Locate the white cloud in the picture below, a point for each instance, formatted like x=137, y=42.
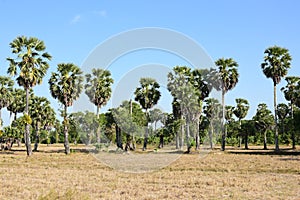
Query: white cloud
x=101, y=13
x=76, y=19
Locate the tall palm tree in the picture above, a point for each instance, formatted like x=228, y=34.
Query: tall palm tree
x=31, y=65
x=66, y=86
x=147, y=95
x=290, y=94
x=276, y=63
x=6, y=97
x=98, y=89
x=229, y=77
x=241, y=111
x=202, y=89
x=178, y=83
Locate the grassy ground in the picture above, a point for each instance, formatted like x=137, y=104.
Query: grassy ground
x=235, y=174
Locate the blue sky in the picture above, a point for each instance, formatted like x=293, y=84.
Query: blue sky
x=232, y=28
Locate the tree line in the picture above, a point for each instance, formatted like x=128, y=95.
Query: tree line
x=196, y=117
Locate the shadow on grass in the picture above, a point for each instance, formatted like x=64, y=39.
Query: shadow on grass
x=286, y=152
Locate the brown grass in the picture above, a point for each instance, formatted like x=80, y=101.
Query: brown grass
x=50, y=174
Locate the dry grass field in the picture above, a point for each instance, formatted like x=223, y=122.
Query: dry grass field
x=234, y=174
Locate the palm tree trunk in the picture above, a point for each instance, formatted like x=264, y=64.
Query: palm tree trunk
x=246, y=141
x=275, y=118
x=188, y=143
x=181, y=134
x=224, y=130
x=177, y=139
x=27, y=133
x=293, y=129
x=240, y=134
x=211, y=133
x=37, y=137
x=265, y=140
x=98, y=128
x=66, y=133
x=146, y=133
x=0, y=120
x=197, y=133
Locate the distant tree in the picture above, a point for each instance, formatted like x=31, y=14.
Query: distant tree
x=292, y=94
x=241, y=111
x=147, y=95
x=31, y=60
x=276, y=63
x=212, y=110
x=264, y=120
x=248, y=127
x=155, y=115
x=282, y=114
x=229, y=76
x=98, y=89
x=18, y=104
x=42, y=116
x=66, y=86
x=6, y=97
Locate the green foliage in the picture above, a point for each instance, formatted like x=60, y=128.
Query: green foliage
x=66, y=84
x=98, y=87
x=147, y=94
x=229, y=76
x=276, y=63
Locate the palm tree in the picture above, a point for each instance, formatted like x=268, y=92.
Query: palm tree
x=6, y=97
x=98, y=89
x=264, y=120
x=147, y=95
x=276, y=63
x=228, y=73
x=202, y=89
x=240, y=111
x=290, y=94
x=66, y=86
x=32, y=63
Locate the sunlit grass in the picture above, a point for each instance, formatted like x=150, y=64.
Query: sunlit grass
x=50, y=174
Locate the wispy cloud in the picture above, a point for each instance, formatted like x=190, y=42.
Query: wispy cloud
x=76, y=19
x=101, y=13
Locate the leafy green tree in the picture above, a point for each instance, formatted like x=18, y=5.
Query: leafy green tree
x=31, y=66
x=66, y=86
x=82, y=126
x=189, y=89
x=212, y=110
x=130, y=120
x=276, y=63
x=98, y=89
x=229, y=77
x=6, y=97
x=155, y=116
x=147, y=95
x=264, y=121
x=291, y=94
x=241, y=111
x=18, y=104
x=282, y=114
x=42, y=116
x=248, y=127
